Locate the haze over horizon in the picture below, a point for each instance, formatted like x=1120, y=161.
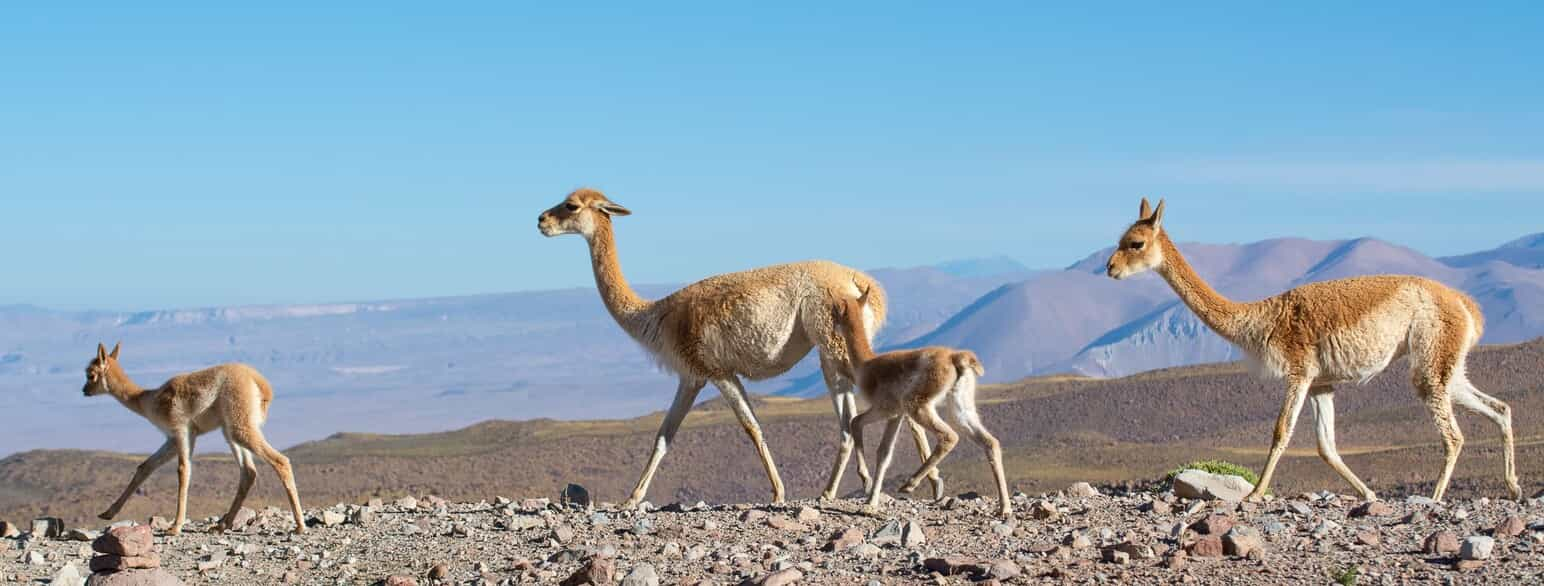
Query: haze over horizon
x=215, y=155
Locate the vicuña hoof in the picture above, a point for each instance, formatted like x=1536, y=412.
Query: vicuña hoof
x=108, y=516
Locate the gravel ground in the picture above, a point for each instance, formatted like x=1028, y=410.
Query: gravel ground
x=1075, y=536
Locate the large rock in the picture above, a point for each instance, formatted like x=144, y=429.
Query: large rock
x=115, y=563
x=641, y=575
x=1197, y=484
x=1242, y=540
x=1477, y=547
x=69, y=575
x=1209, y=546
x=1213, y=525
x=131, y=541
x=156, y=577
x=1512, y=526
x=845, y=539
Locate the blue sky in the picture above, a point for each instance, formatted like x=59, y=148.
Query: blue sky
x=199, y=154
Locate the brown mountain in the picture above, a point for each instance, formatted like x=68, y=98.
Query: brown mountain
x=1055, y=430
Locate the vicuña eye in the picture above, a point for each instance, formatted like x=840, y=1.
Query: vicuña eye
x=1137, y=245
x=572, y=207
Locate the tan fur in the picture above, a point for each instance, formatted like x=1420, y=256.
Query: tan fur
x=231, y=397
x=910, y=384
x=754, y=324
x=1341, y=331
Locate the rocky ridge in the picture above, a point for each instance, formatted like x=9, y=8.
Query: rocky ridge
x=1079, y=535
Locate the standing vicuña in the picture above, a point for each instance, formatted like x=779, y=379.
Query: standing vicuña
x=910, y=384
x=1345, y=330
x=232, y=397
x=755, y=324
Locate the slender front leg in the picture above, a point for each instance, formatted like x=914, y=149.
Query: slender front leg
x=863, y=470
x=1297, y=393
x=248, y=467
x=886, y=450
x=919, y=436
x=735, y=394
x=840, y=390
x=858, y=423
x=145, y=469
x=184, y=474
x=686, y=396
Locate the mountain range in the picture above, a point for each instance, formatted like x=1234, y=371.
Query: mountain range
x=424, y=365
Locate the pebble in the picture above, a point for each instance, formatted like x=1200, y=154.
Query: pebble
x=641, y=575
x=1477, y=547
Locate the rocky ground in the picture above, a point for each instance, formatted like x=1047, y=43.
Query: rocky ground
x=1079, y=535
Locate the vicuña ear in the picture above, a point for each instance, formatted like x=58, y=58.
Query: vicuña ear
x=613, y=209
x=1147, y=210
x=116, y=346
x=1158, y=216
x=101, y=352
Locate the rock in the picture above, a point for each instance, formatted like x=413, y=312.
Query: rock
x=1157, y=507
x=34, y=558
x=47, y=527
x=1276, y=528
x=1115, y=556
x=1460, y=514
x=82, y=535
x=1373, y=509
x=155, y=577
x=951, y=565
x=598, y=571
x=1209, y=546
x=1043, y=511
x=753, y=516
x=131, y=541
x=912, y=535
x=1477, y=547
x=1369, y=537
x=332, y=518
x=844, y=539
x=1195, y=484
x=211, y=562
x=1300, y=509
x=1466, y=565
x=807, y=514
x=440, y=571
x=1082, y=490
x=865, y=550
x=1004, y=529
x=1133, y=550
x=782, y=523
x=1419, y=500
x=9, y=530
x=1078, y=540
x=363, y=516
x=641, y=575
x=160, y=523
x=574, y=495
x=1242, y=540
x=562, y=534
x=1175, y=561
x=523, y=522
x=460, y=530
x=69, y=575
x=1416, y=518
x=244, y=517
x=1325, y=527
x=1512, y=526
x=1002, y=570
x=407, y=503
x=778, y=578
x=1213, y=525
x=399, y=580
x=1441, y=543
x=115, y=563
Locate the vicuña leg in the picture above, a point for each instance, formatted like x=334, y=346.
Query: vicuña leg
x=970, y=420
x=734, y=394
x=184, y=447
x=1323, y=397
x=858, y=423
x=1465, y=393
x=246, y=461
x=843, y=402
x=145, y=469
x=686, y=396
x=1297, y=393
x=886, y=452
x=252, y=439
x=919, y=436
x=947, y=439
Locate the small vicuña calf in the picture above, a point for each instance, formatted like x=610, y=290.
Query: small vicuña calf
x=911, y=383
x=232, y=397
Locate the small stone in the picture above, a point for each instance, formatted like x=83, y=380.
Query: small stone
x=1115, y=556
x=1209, y=546
x=47, y=527
x=160, y=523
x=131, y=541
x=1135, y=551
x=1417, y=517
x=244, y=517
x=1373, y=509
x=641, y=575
x=753, y=516
x=1477, y=547
x=460, y=530
x=1078, y=540
x=1043, y=511
x=1175, y=561
x=780, y=578
x=1460, y=514
x=363, y=516
x=69, y=575
x=950, y=565
x=114, y=563
x=865, y=550
x=1157, y=507
x=82, y=535
x=1213, y=525
x=1512, y=526
x=1325, y=527
x=151, y=577
x=440, y=571
x=1002, y=570
x=34, y=558
x=399, y=580
x=1241, y=540
x=1004, y=529
x=1419, y=500
x=1300, y=509
x=407, y=503
x=1082, y=490
x=1276, y=528
x=1369, y=537
x=332, y=518
x=844, y=539
x=1466, y=565
x=782, y=523
x=807, y=514
x=575, y=495
x=562, y=534
x=912, y=535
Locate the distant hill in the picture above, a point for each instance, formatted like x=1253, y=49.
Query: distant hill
x=1526, y=252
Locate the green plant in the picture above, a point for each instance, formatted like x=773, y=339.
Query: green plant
x=1348, y=576
x=1216, y=467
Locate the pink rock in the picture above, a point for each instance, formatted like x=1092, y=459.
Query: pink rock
x=131, y=541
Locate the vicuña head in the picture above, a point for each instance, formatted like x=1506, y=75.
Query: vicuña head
x=102, y=370
x=1138, y=250
x=580, y=213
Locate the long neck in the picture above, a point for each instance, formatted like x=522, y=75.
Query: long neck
x=859, y=350
x=619, y=297
x=123, y=388
x=1220, y=313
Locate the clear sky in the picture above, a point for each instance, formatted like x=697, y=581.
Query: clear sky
x=218, y=153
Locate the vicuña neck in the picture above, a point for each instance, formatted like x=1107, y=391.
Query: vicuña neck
x=859, y=350
x=123, y=388
x=1220, y=313
x=619, y=297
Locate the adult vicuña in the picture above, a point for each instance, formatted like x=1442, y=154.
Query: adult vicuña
x=1346, y=330
x=232, y=397
x=755, y=324
x=910, y=384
